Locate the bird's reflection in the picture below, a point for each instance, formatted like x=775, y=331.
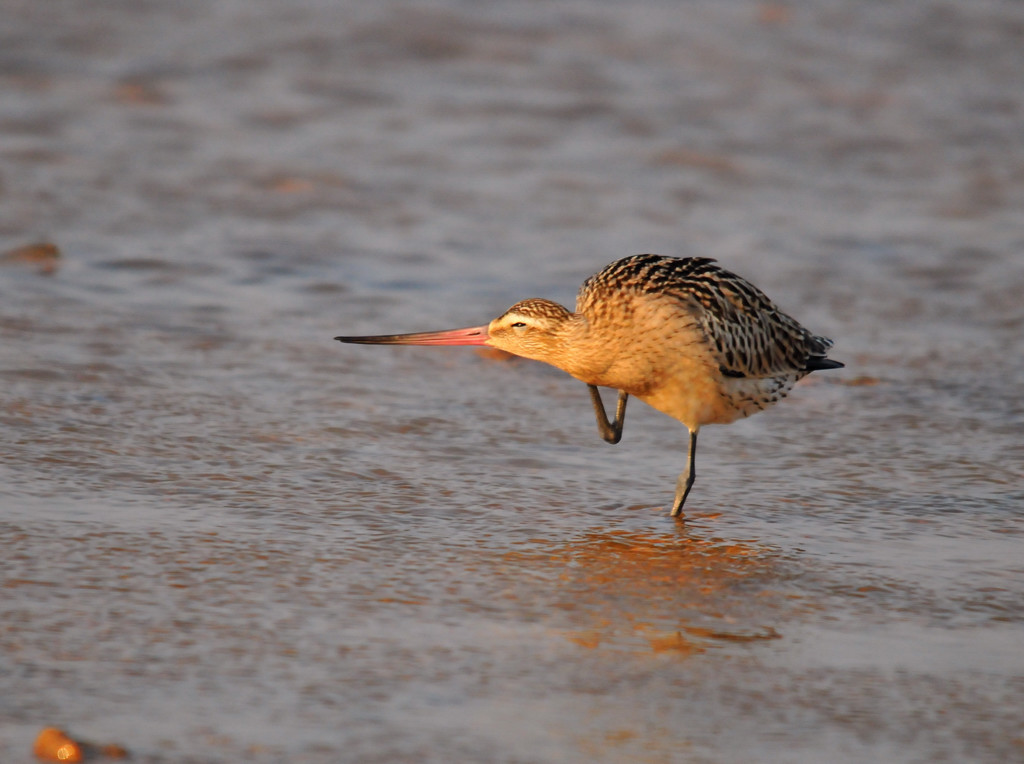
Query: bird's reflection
x=661, y=592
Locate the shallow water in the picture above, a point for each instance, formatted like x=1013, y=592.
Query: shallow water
x=227, y=537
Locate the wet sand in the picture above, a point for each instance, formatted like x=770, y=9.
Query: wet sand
x=227, y=537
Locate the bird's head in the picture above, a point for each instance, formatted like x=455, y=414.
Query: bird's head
x=531, y=329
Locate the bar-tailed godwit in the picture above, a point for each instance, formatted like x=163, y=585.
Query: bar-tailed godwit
x=684, y=335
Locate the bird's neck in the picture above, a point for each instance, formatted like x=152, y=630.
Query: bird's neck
x=577, y=350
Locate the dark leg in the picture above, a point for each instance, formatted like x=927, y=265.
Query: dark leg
x=610, y=431
x=685, y=482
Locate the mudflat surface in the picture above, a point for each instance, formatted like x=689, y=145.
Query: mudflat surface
x=226, y=537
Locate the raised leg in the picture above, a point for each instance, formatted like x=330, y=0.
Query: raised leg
x=685, y=482
x=610, y=431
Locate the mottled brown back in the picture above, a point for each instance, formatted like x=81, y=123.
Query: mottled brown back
x=749, y=335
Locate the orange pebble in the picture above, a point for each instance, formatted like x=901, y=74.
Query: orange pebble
x=54, y=745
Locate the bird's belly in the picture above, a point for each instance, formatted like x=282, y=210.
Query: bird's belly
x=686, y=390
x=704, y=397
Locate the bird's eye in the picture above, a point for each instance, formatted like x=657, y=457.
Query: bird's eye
x=519, y=325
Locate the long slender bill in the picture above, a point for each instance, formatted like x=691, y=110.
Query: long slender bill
x=473, y=335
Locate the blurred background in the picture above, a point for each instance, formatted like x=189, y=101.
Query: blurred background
x=226, y=536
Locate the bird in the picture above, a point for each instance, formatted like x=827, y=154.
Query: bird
x=684, y=335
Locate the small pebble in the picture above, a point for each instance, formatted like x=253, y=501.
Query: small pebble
x=53, y=744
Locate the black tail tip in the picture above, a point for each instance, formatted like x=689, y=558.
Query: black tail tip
x=821, y=364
